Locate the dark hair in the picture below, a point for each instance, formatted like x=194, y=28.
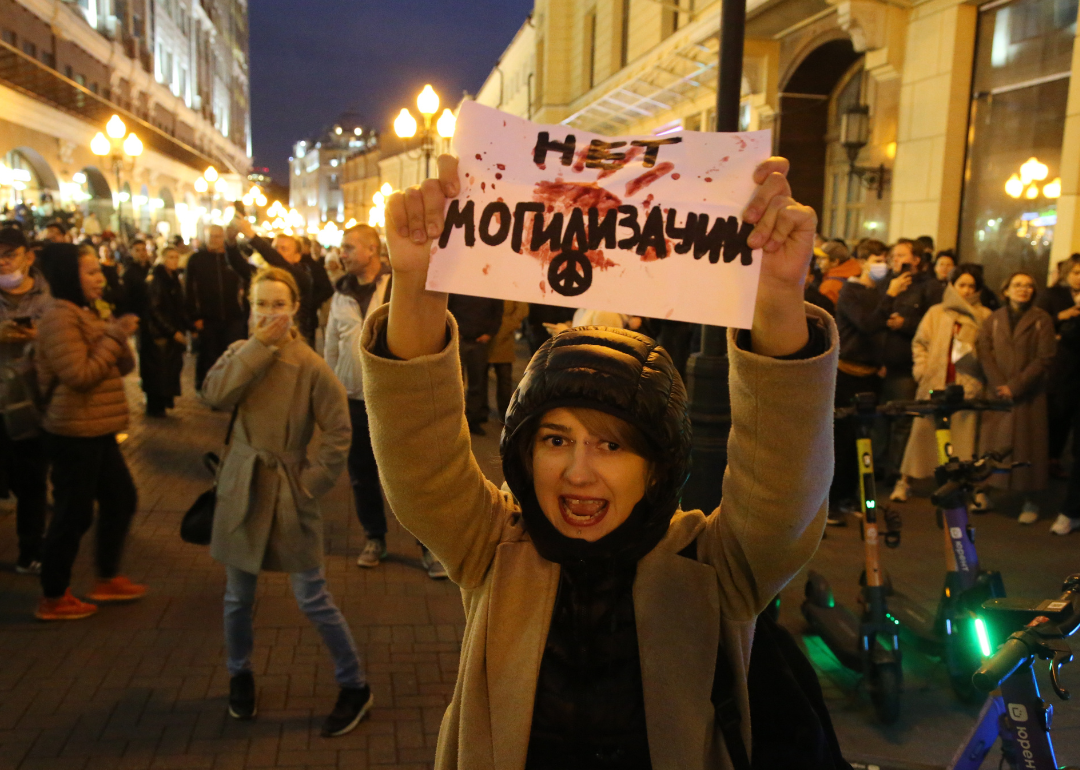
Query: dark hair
x=927, y=241
x=949, y=253
x=870, y=248
x=59, y=262
x=137, y=241
x=1009, y=280
x=968, y=268
x=56, y=223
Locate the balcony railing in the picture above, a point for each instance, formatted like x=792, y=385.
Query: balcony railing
x=33, y=78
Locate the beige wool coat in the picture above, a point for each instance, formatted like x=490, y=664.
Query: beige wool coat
x=501, y=347
x=267, y=515
x=1019, y=358
x=931, y=350
x=768, y=527
x=81, y=361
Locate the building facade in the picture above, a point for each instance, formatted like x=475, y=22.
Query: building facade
x=317, y=173
x=175, y=71
x=901, y=118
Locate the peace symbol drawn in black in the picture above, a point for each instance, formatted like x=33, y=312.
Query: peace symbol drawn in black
x=570, y=273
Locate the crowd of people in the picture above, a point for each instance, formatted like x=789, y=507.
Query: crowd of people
x=911, y=322
x=276, y=329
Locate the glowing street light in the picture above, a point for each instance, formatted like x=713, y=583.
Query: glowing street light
x=201, y=185
x=211, y=174
x=446, y=124
x=1053, y=189
x=428, y=101
x=133, y=146
x=100, y=145
x=115, y=127
x=1033, y=171
x=405, y=124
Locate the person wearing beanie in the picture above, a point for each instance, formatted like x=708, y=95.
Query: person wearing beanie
x=595, y=607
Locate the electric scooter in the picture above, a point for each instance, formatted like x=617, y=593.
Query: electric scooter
x=950, y=633
x=1015, y=712
x=868, y=643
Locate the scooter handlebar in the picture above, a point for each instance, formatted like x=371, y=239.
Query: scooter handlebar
x=1000, y=666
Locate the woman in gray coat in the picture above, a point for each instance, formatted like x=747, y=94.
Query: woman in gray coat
x=1015, y=346
x=267, y=515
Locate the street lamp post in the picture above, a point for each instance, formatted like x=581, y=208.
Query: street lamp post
x=119, y=146
x=707, y=372
x=405, y=124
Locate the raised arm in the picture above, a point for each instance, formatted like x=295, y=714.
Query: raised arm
x=782, y=387
x=414, y=397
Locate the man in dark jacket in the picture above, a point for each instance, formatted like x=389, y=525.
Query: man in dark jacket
x=215, y=302
x=24, y=297
x=322, y=288
x=285, y=253
x=862, y=313
x=916, y=290
x=478, y=321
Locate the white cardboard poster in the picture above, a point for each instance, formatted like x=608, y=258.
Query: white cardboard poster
x=647, y=225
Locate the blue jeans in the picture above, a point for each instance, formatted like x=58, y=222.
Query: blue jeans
x=315, y=602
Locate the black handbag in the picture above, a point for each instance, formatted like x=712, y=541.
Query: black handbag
x=198, y=523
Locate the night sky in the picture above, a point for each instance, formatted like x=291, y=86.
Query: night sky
x=313, y=60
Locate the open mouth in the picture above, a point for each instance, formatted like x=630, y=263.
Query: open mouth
x=582, y=511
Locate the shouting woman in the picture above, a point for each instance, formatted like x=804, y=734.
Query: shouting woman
x=594, y=606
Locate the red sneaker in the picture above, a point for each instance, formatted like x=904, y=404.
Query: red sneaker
x=117, y=589
x=65, y=607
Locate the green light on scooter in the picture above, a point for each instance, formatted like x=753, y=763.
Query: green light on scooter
x=871, y=504
x=984, y=638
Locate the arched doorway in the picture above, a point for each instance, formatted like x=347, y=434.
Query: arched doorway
x=98, y=198
x=166, y=212
x=28, y=185
x=804, y=117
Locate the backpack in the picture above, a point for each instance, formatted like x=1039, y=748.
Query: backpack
x=789, y=720
x=21, y=401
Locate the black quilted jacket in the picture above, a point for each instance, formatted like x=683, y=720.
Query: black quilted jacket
x=589, y=710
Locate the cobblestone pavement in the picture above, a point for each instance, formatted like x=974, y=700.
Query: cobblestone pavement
x=144, y=685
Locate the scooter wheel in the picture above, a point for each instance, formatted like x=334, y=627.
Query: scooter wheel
x=818, y=590
x=885, y=692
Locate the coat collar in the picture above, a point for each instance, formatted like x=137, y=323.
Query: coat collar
x=677, y=610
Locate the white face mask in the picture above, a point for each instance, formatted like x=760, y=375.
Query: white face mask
x=269, y=318
x=878, y=270
x=12, y=280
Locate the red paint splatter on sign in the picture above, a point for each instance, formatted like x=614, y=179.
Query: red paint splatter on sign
x=486, y=268
x=483, y=186
x=631, y=154
x=500, y=166
x=646, y=179
x=564, y=197
x=708, y=179
x=675, y=176
x=479, y=156
x=647, y=203
x=498, y=176
x=579, y=160
x=543, y=287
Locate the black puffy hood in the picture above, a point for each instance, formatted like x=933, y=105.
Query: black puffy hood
x=627, y=375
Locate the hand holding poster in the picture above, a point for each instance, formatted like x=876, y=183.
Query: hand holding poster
x=647, y=226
